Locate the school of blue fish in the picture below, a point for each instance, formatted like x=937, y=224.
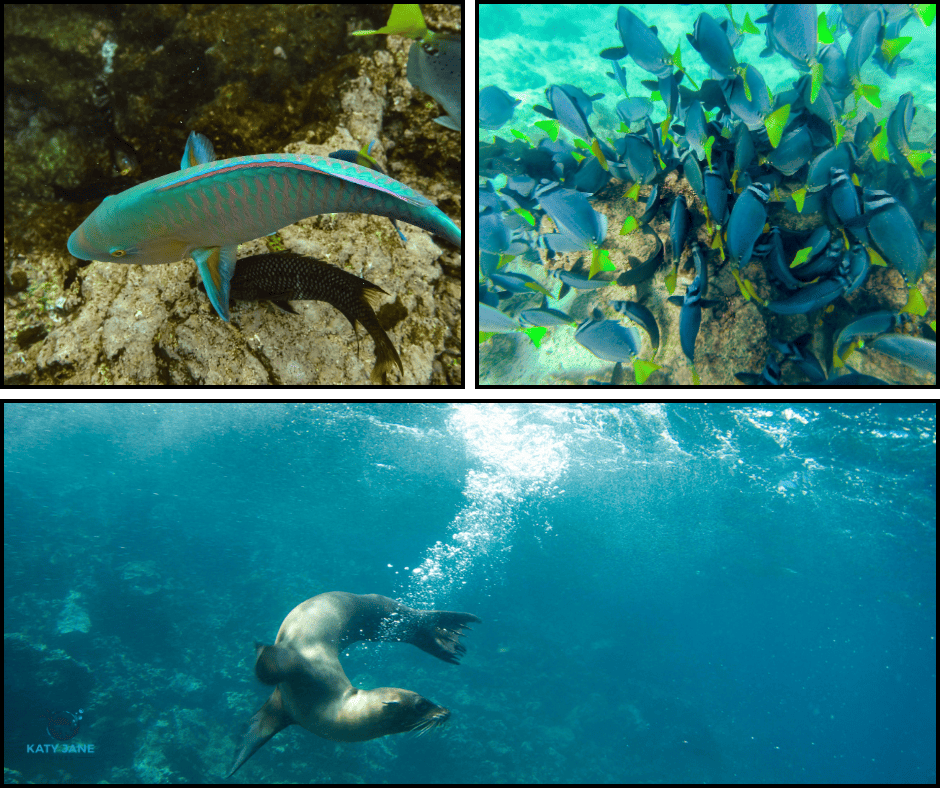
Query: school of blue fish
x=797, y=194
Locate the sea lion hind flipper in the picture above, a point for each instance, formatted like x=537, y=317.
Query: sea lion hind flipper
x=439, y=634
x=268, y=720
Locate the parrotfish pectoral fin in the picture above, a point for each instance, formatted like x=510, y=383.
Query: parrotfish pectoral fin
x=216, y=267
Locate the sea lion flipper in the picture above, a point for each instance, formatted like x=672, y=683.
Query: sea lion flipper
x=440, y=631
x=268, y=720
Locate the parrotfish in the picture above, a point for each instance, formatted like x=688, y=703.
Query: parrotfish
x=434, y=61
x=210, y=207
x=364, y=158
x=285, y=276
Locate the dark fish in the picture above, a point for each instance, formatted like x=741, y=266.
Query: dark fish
x=285, y=276
x=716, y=195
x=617, y=378
x=868, y=326
x=794, y=150
x=800, y=352
x=768, y=376
x=811, y=297
x=494, y=321
x=634, y=110
x=679, y=224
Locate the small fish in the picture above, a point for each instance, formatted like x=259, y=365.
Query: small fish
x=609, y=340
x=496, y=107
x=287, y=276
x=747, y=223
x=691, y=316
x=434, y=62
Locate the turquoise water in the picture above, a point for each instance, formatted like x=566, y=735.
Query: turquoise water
x=526, y=48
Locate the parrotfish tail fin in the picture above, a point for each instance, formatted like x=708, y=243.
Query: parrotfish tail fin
x=405, y=20
x=426, y=216
x=385, y=353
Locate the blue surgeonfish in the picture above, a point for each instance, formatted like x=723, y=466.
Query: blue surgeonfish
x=210, y=207
x=868, y=326
x=573, y=215
x=769, y=375
x=434, y=61
x=895, y=234
x=496, y=107
x=691, y=317
x=641, y=43
x=569, y=110
x=617, y=377
x=544, y=315
x=641, y=315
x=609, y=340
x=795, y=148
x=710, y=39
x=747, y=223
x=791, y=31
x=492, y=320
x=811, y=297
x=916, y=352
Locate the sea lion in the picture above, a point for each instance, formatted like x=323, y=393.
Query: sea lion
x=312, y=690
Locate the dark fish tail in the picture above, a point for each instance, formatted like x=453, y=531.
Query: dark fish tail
x=385, y=353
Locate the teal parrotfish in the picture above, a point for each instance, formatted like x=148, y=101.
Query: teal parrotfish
x=363, y=158
x=209, y=207
x=434, y=61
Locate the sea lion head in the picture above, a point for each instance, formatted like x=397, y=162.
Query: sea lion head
x=393, y=710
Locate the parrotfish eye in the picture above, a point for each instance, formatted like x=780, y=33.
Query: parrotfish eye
x=118, y=252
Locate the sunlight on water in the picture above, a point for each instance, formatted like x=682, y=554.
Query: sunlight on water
x=518, y=458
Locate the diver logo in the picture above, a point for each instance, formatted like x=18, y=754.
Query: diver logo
x=62, y=726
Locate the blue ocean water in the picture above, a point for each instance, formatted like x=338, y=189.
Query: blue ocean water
x=668, y=593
